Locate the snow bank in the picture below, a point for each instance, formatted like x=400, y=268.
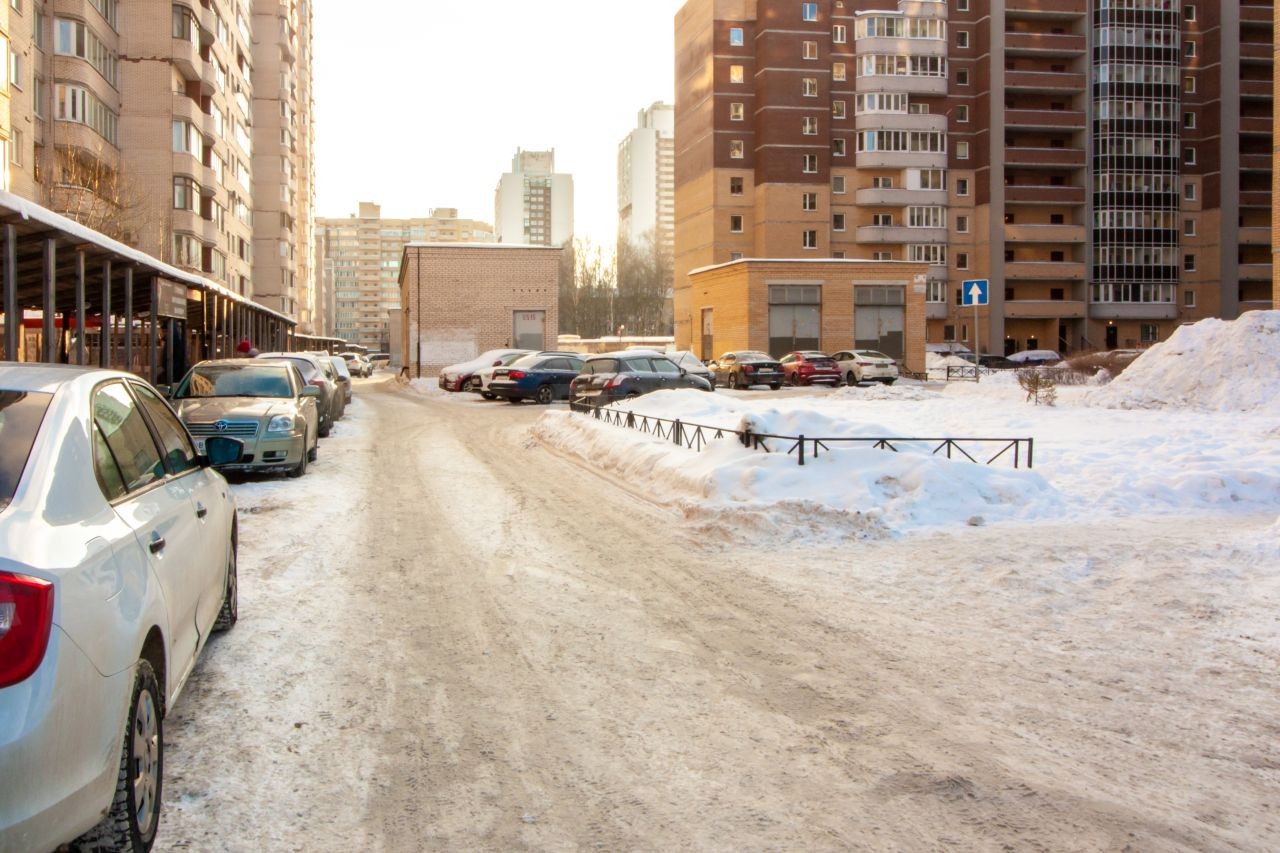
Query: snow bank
x=936, y=364
x=1217, y=365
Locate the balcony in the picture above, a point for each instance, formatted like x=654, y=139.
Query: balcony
x=1044, y=158
x=873, y=196
x=1043, y=233
x=1043, y=194
x=1252, y=51
x=1133, y=311
x=922, y=9
x=1045, y=119
x=1043, y=44
x=1255, y=272
x=1044, y=270
x=901, y=121
x=1044, y=309
x=1255, y=198
x=1257, y=89
x=1052, y=82
x=1256, y=14
x=1257, y=235
x=900, y=234
x=1253, y=305
x=1256, y=124
x=1061, y=10
x=1255, y=162
x=901, y=160
x=900, y=46
x=186, y=58
x=903, y=83
x=935, y=310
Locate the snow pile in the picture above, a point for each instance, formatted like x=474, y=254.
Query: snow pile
x=879, y=391
x=936, y=364
x=1218, y=365
x=847, y=489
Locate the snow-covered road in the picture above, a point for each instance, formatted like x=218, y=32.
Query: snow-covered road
x=454, y=637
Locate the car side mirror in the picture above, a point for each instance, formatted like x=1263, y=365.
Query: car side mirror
x=165, y=390
x=220, y=450
x=684, y=372
x=311, y=391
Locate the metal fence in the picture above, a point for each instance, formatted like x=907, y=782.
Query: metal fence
x=1020, y=451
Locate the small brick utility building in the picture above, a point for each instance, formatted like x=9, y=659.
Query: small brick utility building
x=460, y=299
x=778, y=306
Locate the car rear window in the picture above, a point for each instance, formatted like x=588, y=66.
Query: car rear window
x=870, y=353
x=601, y=365
x=639, y=365
x=21, y=414
x=755, y=356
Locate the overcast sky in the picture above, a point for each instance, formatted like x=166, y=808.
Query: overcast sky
x=423, y=104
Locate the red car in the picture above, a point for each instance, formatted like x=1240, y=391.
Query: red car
x=810, y=368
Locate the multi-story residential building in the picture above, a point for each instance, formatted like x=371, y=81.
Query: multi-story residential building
x=6, y=129
x=138, y=119
x=533, y=204
x=284, y=219
x=1087, y=157
x=361, y=256
x=646, y=179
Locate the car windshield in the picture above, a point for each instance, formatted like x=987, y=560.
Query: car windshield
x=234, y=380
x=21, y=414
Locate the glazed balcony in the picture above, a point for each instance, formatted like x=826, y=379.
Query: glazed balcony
x=1044, y=233
x=1045, y=309
x=901, y=121
x=889, y=46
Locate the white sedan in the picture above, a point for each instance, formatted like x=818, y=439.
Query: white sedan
x=117, y=561
x=865, y=365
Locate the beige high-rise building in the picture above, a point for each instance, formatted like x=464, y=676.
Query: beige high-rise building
x=6, y=131
x=647, y=179
x=533, y=203
x=362, y=265
x=140, y=120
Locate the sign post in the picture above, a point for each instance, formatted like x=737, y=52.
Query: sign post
x=976, y=292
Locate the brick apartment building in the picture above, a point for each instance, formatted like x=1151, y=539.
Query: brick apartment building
x=1089, y=158
x=360, y=265
x=462, y=299
x=182, y=128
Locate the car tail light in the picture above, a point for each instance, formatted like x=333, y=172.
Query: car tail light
x=748, y=368
x=26, y=617
x=615, y=380
x=866, y=364
x=517, y=375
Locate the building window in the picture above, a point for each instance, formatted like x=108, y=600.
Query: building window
x=15, y=148
x=77, y=104
x=75, y=38
x=810, y=166
x=962, y=6
x=962, y=38
x=1189, y=263
x=882, y=220
x=810, y=50
x=735, y=224
x=735, y=186
x=1189, y=299
x=810, y=239
x=837, y=222
x=736, y=112
x=809, y=201
x=838, y=72
x=962, y=151
x=837, y=184
x=962, y=225
x=839, y=147
x=839, y=109
x=809, y=87
x=882, y=256
x=962, y=114
x=1150, y=333
x=1189, y=156
x=1189, y=227
x=839, y=256
x=1189, y=85
x=1189, y=192
x=735, y=256
x=962, y=186
x=17, y=71
x=809, y=11
x=1189, y=13
x=839, y=34
x=809, y=126
x=736, y=149
x=1189, y=49
x=933, y=254
x=962, y=77
x=735, y=74
x=962, y=260
x=1189, y=121
x=735, y=37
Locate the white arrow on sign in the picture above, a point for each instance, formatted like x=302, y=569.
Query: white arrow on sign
x=975, y=294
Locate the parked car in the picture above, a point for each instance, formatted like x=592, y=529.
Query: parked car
x=117, y=563
x=265, y=404
x=996, y=362
x=864, y=365
x=313, y=373
x=1035, y=357
x=485, y=374
x=744, y=368
x=620, y=375
x=358, y=364
x=690, y=364
x=806, y=367
x=379, y=359
x=542, y=378
x=461, y=376
x=343, y=376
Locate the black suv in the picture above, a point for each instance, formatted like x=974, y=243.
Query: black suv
x=619, y=375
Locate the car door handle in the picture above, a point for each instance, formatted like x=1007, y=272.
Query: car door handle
x=157, y=543
x=201, y=510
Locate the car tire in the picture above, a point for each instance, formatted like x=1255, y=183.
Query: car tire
x=313, y=453
x=300, y=470
x=850, y=379
x=733, y=382
x=230, y=611
x=775, y=385
x=141, y=760
x=515, y=400
x=794, y=379
x=470, y=386
x=545, y=395
x=326, y=428
x=487, y=395
x=889, y=381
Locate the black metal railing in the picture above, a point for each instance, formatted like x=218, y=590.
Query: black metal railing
x=697, y=436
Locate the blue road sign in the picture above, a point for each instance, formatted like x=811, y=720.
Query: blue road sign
x=976, y=292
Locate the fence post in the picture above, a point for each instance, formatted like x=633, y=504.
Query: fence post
x=1031, y=449
x=676, y=433
x=746, y=437
x=802, y=450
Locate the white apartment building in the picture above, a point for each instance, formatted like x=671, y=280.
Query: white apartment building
x=533, y=205
x=647, y=178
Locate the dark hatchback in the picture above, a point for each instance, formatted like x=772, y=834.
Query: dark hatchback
x=617, y=376
x=535, y=377
x=745, y=368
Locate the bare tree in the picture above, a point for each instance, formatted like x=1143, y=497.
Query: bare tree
x=87, y=188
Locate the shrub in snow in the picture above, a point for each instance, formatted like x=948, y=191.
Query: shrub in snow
x=1040, y=387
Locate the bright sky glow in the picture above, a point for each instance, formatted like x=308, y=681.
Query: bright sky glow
x=423, y=104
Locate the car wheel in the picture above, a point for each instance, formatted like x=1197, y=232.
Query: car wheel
x=326, y=427
x=733, y=382
x=487, y=395
x=794, y=379
x=545, y=395
x=850, y=379
x=134, y=815
x=889, y=381
x=313, y=453
x=471, y=385
x=515, y=400
x=230, y=611
x=300, y=469
x=775, y=385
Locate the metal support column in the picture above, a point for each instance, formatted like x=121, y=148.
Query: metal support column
x=80, y=307
x=104, y=330
x=12, y=314
x=128, y=318
x=49, y=303
x=171, y=329
x=154, y=342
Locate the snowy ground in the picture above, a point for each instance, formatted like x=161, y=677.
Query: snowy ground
x=460, y=631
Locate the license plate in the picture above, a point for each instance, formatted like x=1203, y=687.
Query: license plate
x=200, y=446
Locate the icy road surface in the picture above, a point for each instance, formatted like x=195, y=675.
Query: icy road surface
x=453, y=638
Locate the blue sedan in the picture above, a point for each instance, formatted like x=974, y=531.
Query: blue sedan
x=536, y=377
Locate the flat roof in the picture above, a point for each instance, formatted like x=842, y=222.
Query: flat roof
x=427, y=245
x=850, y=261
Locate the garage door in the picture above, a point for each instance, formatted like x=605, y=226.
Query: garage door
x=880, y=320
